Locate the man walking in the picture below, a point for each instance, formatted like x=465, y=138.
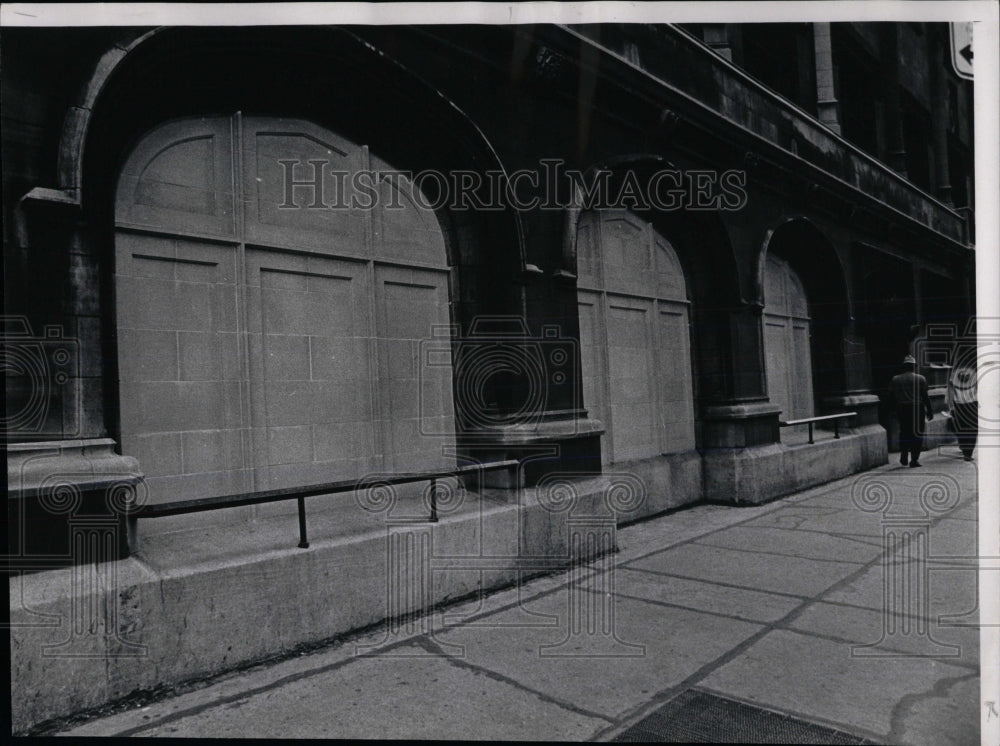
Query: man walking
x=962, y=401
x=909, y=393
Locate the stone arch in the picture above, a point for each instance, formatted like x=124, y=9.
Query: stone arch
x=182, y=72
x=711, y=269
x=105, y=119
x=76, y=125
x=822, y=269
x=711, y=274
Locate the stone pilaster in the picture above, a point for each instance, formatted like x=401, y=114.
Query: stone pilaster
x=827, y=106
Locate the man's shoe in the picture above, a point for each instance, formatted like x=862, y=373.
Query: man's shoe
x=967, y=457
x=903, y=458
x=914, y=464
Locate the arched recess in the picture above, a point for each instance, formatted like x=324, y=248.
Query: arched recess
x=787, y=333
x=266, y=340
x=634, y=336
x=702, y=248
x=327, y=76
x=806, y=311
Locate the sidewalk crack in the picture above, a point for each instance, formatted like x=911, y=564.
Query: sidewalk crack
x=910, y=703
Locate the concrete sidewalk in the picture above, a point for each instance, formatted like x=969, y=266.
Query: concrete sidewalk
x=776, y=612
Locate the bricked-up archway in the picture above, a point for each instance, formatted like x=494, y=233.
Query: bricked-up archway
x=267, y=340
x=325, y=76
x=634, y=336
x=806, y=315
x=707, y=271
x=787, y=353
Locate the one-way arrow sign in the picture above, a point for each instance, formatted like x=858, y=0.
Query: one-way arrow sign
x=961, y=49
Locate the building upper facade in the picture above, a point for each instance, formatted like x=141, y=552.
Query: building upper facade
x=857, y=100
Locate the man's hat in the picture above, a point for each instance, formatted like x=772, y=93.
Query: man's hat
x=908, y=360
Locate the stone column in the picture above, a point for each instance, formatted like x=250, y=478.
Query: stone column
x=939, y=117
x=539, y=405
x=894, y=143
x=827, y=106
x=740, y=430
x=57, y=428
x=854, y=393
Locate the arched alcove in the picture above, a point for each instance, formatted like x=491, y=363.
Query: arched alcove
x=634, y=336
x=806, y=311
x=706, y=265
x=328, y=77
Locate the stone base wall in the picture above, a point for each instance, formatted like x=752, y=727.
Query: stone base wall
x=750, y=476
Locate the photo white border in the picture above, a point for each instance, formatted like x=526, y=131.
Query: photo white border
x=984, y=13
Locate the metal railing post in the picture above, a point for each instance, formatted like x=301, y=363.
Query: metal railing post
x=303, y=539
x=810, y=433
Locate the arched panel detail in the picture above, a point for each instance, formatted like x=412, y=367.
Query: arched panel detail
x=816, y=263
x=91, y=143
x=180, y=177
x=669, y=273
x=815, y=287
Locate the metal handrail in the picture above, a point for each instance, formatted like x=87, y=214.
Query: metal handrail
x=197, y=505
x=822, y=418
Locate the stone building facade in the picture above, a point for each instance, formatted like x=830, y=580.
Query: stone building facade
x=259, y=258
x=230, y=330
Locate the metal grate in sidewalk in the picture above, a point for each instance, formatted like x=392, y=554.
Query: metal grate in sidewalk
x=695, y=716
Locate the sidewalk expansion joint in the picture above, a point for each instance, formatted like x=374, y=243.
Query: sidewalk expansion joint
x=432, y=647
x=668, y=605
x=901, y=653
x=789, y=555
x=254, y=691
x=777, y=505
x=720, y=583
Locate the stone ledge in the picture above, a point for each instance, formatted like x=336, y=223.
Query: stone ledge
x=544, y=430
x=740, y=411
x=84, y=461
